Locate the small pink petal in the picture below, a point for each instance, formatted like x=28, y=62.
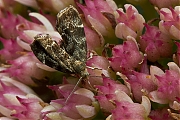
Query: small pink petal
x=86, y=111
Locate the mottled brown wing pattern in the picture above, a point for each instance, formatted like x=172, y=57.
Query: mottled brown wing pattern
x=50, y=53
x=70, y=27
x=70, y=56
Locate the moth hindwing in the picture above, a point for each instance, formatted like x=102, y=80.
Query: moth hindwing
x=70, y=55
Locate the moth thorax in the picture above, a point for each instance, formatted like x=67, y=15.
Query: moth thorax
x=84, y=74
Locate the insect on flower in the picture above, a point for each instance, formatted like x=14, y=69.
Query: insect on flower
x=70, y=56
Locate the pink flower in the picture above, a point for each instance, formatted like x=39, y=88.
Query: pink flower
x=26, y=37
x=169, y=24
x=99, y=14
x=98, y=65
x=164, y=3
x=95, y=40
x=126, y=109
x=155, y=43
x=126, y=57
x=11, y=49
x=167, y=86
x=141, y=84
x=129, y=111
x=107, y=93
x=81, y=104
x=16, y=24
x=129, y=23
x=18, y=101
x=26, y=69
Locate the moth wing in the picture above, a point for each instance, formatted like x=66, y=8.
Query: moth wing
x=70, y=27
x=51, y=54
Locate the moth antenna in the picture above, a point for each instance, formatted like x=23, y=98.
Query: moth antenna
x=93, y=68
x=73, y=89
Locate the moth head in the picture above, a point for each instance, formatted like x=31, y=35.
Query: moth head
x=80, y=66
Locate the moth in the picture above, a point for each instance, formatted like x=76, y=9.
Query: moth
x=71, y=55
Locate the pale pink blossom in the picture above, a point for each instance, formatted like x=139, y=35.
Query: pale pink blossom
x=107, y=93
x=18, y=101
x=155, y=43
x=100, y=15
x=141, y=84
x=168, y=83
x=25, y=68
x=95, y=40
x=129, y=110
x=169, y=24
x=15, y=24
x=11, y=49
x=129, y=23
x=81, y=104
x=97, y=65
x=124, y=54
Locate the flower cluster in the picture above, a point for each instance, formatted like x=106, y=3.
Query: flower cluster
x=133, y=61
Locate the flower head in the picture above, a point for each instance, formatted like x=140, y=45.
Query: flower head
x=26, y=69
x=15, y=24
x=18, y=101
x=98, y=65
x=107, y=93
x=167, y=86
x=99, y=14
x=169, y=23
x=81, y=104
x=129, y=23
x=124, y=54
x=11, y=49
x=141, y=84
x=129, y=111
x=155, y=43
